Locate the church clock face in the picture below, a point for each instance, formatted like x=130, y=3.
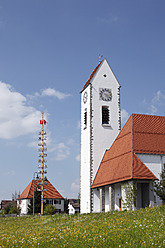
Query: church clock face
x=85, y=97
x=105, y=94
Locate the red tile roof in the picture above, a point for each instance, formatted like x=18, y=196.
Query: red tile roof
x=51, y=192
x=92, y=75
x=149, y=134
x=141, y=134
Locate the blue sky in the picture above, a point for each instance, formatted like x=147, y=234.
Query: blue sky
x=48, y=49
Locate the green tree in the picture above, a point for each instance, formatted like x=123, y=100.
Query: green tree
x=37, y=203
x=159, y=186
x=49, y=210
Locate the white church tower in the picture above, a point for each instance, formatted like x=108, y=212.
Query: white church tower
x=100, y=124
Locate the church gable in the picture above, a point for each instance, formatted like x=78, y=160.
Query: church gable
x=104, y=70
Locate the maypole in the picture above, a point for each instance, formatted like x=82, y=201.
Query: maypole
x=42, y=160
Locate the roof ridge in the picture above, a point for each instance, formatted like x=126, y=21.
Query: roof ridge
x=116, y=156
x=135, y=114
x=31, y=184
x=121, y=136
x=92, y=75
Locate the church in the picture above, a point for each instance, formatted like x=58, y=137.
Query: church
x=112, y=159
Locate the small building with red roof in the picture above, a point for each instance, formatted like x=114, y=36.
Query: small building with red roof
x=51, y=196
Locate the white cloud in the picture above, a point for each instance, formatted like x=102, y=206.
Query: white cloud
x=153, y=110
x=62, y=155
x=8, y=173
x=49, y=92
x=57, y=151
x=124, y=116
x=2, y=23
x=158, y=98
x=78, y=124
x=108, y=20
x=60, y=150
x=157, y=102
x=33, y=144
x=77, y=158
x=75, y=186
x=55, y=93
x=70, y=142
x=16, y=118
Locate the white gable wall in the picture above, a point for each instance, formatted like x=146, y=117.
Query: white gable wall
x=153, y=162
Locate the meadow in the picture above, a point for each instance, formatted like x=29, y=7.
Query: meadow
x=142, y=228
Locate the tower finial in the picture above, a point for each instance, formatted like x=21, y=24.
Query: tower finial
x=100, y=57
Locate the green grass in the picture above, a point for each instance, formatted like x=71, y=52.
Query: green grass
x=142, y=228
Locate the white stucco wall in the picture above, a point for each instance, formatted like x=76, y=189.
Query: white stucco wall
x=107, y=199
x=23, y=204
x=103, y=135
x=117, y=195
x=96, y=200
x=85, y=173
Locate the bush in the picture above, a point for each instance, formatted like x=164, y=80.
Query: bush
x=12, y=209
x=159, y=186
x=49, y=210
